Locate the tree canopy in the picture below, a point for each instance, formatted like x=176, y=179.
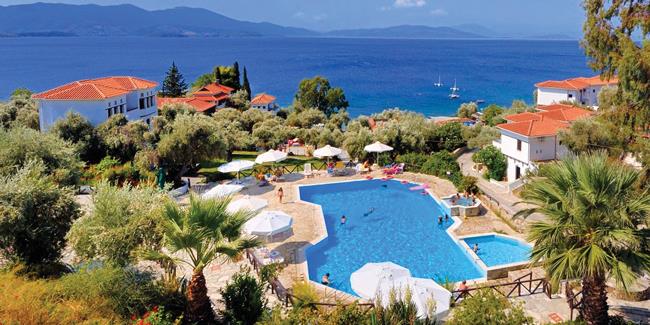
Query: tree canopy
x=174, y=84
x=77, y=130
x=318, y=93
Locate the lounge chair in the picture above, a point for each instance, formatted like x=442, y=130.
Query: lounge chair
x=339, y=169
x=308, y=172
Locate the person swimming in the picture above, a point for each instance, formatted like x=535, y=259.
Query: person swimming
x=384, y=186
x=475, y=249
x=440, y=220
x=369, y=212
x=343, y=220
x=325, y=279
x=446, y=217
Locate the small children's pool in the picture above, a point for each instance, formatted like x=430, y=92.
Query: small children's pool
x=497, y=250
x=463, y=201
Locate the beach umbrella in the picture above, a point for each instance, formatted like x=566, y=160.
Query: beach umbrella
x=247, y=203
x=344, y=155
x=378, y=148
x=236, y=166
x=367, y=280
x=268, y=223
x=271, y=156
x=222, y=190
x=327, y=151
x=424, y=294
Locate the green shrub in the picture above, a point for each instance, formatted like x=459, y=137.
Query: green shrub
x=107, y=163
x=243, y=298
x=488, y=307
x=304, y=294
x=468, y=184
x=156, y=316
x=413, y=161
x=494, y=160
x=443, y=164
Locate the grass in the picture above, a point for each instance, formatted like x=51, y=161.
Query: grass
x=209, y=170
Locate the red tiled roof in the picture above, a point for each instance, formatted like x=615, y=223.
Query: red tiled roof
x=567, y=114
x=263, y=99
x=96, y=89
x=576, y=83
x=539, y=128
x=215, y=88
x=553, y=107
x=198, y=104
x=526, y=116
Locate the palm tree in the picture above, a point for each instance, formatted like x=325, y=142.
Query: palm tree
x=203, y=233
x=596, y=226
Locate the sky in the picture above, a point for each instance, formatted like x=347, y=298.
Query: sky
x=510, y=17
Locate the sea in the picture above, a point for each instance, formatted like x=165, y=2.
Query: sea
x=375, y=73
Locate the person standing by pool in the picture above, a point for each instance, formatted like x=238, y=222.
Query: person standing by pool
x=325, y=280
x=280, y=194
x=343, y=220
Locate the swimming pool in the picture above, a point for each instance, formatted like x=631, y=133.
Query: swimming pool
x=499, y=250
x=402, y=228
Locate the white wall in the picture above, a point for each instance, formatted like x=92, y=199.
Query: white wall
x=542, y=148
x=509, y=146
x=96, y=111
x=548, y=96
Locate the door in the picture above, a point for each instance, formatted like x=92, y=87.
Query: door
x=517, y=172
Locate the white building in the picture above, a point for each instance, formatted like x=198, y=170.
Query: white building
x=581, y=90
x=264, y=102
x=99, y=99
x=530, y=138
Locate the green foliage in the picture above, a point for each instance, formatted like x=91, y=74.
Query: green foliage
x=306, y=118
x=157, y=316
x=356, y=137
x=407, y=132
x=413, y=161
x=491, y=115
x=494, y=160
x=126, y=291
x=269, y=272
x=243, y=298
x=246, y=86
x=480, y=136
x=35, y=216
x=123, y=138
x=107, y=163
x=174, y=84
x=317, y=93
x=401, y=310
x=269, y=133
x=611, y=33
x=240, y=100
x=468, y=184
x=586, y=135
x=77, y=130
x=443, y=164
x=226, y=75
x=19, y=111
x=124, y=220
x=487, y=307
x=19, y=145
x=192, y=139
x=449, y=137
x=594, y=216
x=304, y=295
x=466, y=110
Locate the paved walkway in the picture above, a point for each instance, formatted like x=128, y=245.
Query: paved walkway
x=500, y=196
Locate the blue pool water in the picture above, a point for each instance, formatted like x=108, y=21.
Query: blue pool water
x=402, y=228
x=497, y=250
x=463, y=201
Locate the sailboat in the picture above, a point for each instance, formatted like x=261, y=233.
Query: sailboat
x=454, y=89
x=439, y=83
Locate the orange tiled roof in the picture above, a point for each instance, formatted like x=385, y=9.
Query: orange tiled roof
x=535, y=128
x=576, y=83
x=96, y=89
x=526, y=116
x=215, y=88
x=567, y=114
x=263, y=99
x=198, y=104
x=553, y=107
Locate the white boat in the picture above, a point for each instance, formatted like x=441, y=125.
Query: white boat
x=439, y=83
x=454, y=95
x=454, y=88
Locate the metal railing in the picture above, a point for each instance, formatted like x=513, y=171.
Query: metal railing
x=522, y=286
x=573, y=299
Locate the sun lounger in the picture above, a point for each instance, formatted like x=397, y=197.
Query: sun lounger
x=308, y=172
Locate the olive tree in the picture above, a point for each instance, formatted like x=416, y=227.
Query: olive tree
x=77, y=129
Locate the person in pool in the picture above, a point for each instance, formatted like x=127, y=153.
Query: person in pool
x=325, y=279
x=371, y=210
x=446, y=217
x=440, y=220
x=343, y=220
x=475, y=249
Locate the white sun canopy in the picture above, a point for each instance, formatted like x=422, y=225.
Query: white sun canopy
x=367, y=280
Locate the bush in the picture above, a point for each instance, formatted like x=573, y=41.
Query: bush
x=304, y=294
x=443, y=164
x=156, y=316
x=35, y=216
x=243, y=298
x=35, y=302
x=468, y=184
x=107, y=163
x=494, y=160
x=413, y=161
x=488, y=307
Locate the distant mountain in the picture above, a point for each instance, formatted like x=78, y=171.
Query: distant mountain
x=404, y=31
x=127, y=20
x=478, y=29
x=558, y=37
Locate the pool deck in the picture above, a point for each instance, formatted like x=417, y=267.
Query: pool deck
x=309, y=227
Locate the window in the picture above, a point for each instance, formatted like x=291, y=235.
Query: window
x=518, y=145
x=141, y=103
x=570, y=96
x=110, y=112
x=121, y=109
